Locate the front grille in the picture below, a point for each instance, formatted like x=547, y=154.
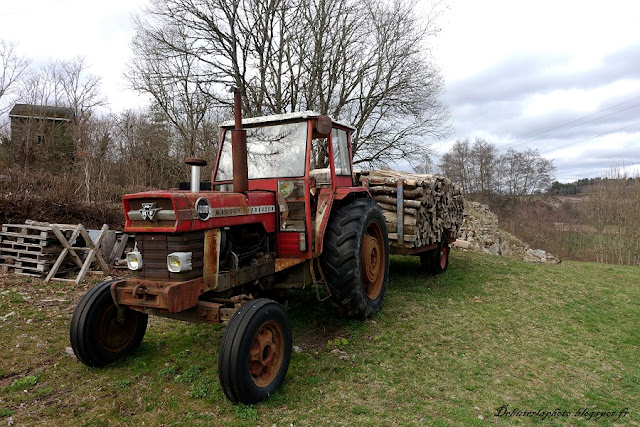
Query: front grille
x=154, y=248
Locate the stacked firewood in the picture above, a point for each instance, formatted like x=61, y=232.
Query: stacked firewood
x=433, y=205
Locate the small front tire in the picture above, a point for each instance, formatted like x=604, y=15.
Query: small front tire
x=255, y=352
x=101, y=332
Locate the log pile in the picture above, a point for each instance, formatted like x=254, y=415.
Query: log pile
x=432, y=204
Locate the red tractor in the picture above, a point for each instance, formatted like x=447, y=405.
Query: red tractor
x=283, y=212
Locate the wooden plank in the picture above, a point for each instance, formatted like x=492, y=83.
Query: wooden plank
x=118, y=248
x=64, y=252
x=25, y=236
x=108, y=243
x=42, y=259
x=68, y=244
x=93, y=253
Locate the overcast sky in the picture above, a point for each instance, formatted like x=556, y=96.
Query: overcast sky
x=513, y=70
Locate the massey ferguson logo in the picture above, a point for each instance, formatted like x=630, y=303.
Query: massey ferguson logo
x=148, y=211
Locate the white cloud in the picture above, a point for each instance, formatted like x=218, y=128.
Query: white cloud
x=516, y=69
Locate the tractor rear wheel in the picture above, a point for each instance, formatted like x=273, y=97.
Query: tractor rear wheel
x=100, y=331
x=255, y=352
x=355, y=258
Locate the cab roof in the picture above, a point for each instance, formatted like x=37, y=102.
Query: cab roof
x=280, y=118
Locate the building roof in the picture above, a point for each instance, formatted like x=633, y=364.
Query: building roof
x=29, y=111
x=277, y=118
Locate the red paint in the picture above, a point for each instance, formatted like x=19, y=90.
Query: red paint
x=184, y=204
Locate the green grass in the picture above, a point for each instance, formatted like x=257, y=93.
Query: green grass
x=446, y=350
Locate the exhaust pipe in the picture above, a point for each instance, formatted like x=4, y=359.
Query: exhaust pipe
x=239, y=146
x=195, y=164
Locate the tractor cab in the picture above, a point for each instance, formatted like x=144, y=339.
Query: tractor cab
x=305, y=159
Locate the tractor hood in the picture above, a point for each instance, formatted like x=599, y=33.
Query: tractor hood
x=184, y=211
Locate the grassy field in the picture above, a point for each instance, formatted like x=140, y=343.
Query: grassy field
x=449, y=350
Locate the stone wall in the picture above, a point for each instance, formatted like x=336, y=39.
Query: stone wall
x=480, y=232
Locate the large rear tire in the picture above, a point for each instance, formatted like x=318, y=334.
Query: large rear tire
x=255, y=352
x=100, y=332
x=355, y=258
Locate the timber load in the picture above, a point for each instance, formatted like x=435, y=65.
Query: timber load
x=419, y=209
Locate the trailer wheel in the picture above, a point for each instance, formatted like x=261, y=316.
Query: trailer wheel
x=440, y=258
x=100, y=332
x=255, y=352
x=355, y=258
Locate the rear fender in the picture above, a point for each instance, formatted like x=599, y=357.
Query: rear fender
x=326, y=202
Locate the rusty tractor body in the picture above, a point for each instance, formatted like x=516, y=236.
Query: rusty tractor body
x=283, y=213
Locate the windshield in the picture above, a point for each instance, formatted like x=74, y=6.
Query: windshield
x=276, y=151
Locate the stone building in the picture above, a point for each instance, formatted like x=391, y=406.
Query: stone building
x=41, y=135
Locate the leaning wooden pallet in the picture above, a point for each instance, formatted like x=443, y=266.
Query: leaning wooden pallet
x=70, y=249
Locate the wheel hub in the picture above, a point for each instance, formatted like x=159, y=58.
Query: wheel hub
x=443, y=256
x=116, y=329
x=267, y=352
x=372, y=261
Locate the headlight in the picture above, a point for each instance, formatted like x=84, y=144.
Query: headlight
x=134, y=260
x=178, y=262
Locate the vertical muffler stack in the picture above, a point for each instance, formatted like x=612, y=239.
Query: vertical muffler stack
x=195, y=164
x=239, y=147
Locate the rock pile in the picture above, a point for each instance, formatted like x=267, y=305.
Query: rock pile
x=480, y=232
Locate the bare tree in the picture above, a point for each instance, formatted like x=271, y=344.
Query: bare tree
x=613, y=210
x=525, y=172
x=12, y=68
x=175, y=82
x=457, y=165
x=81, y=89
x=67, y=84
x=367, y=63
x=481, y=171
x=146, y=151
x=484, y=156
x=425, y=163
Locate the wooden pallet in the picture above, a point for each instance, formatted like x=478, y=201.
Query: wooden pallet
x=28, y=249
x=41, y=249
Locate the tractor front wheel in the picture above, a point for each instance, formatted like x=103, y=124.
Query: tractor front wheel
x=100, y=331
x=255, y=352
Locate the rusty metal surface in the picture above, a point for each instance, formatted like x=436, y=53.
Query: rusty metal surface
x=325, y=203
x=397, y=250
x=211, y=258
x=203, y=312
x=284, y=263
x=323, y=124
x=229, y=279
x=209, y=312
x=239, y=147
x=170, y=296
